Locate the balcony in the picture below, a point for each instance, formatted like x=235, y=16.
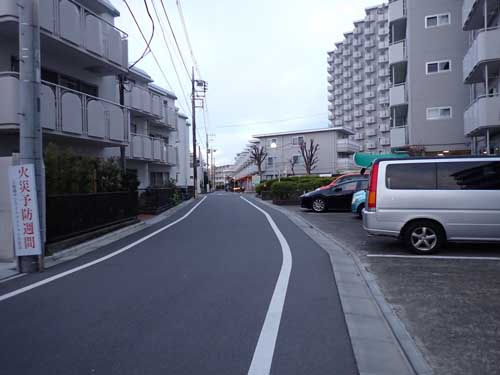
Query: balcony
x=358, y=113
x=347, y=85
x=358, y=101
x=347, y=118
x=329, y=60
x=397, y=52
x=371, y=120
x=357, y=42
x=369, y=30
x=369, y=56
x=384, y=114
x=370, y=94
x=346, y=63
x=346, y=145
x=346, y=164
x=74, y=33
x=384, y=73
x=358, y=89
x=357, y=78
x=383, y=59
x=383, y=45
x=151, y=149
x=338, y=102
x=359, y=137
x=369, y=44
x=483, y=113
x=371, y=132
x=384, y=128
x=382, y=17
x=484, y=48
x=330, y=88
x=397, y=10
x=357, y=55
x=330, y=69
x=370, y=82
x=330, y=117
x=347, y=107
x=384, y=86
x=385, y=141
x=398, y=95
x=337, y=112
x=338, y=122
x=330, y=79
x=338, y=92
x=330, y=107
x=65, y=112
x=383, y=100
x=369, y=69
x=358, y=125
x=370, y=107
x=398, y=136
x=371, y=145
x=383, y=31
x=357, y=66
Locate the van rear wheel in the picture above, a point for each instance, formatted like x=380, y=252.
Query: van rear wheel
x=424, y=237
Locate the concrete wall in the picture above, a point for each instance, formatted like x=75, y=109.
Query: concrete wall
x=436, y=90
x=6, y=243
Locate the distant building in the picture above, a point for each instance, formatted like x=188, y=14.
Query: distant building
x=223, y=174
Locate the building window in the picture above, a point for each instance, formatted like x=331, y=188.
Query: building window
x=296, y=159
x=270, y=161
x=434, y=67
x=298, y=140
x=273, y=141
x=437, y=20
x=439, y=113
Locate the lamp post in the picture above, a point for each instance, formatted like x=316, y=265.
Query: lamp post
x=274, y=146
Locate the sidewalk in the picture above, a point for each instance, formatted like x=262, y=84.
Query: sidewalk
x=7, y=269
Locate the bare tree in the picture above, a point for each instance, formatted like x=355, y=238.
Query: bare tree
x=258, y=155
x=293, y=162
x=310, y=155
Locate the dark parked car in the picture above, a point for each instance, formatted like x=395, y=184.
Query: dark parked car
x=338, y=197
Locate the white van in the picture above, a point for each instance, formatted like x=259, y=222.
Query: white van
x=429, y=201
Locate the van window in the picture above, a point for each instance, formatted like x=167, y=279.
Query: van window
x=414, y=176
x=472, y=175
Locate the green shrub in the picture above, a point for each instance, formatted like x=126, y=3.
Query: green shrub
x=283, y=190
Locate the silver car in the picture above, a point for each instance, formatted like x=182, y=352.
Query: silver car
x=429, y=201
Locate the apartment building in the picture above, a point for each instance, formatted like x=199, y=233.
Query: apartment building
x=359, y=82
x=427, y=96
x=83, y=58
x=335, y=152
x=481, y=74
x=222, y=174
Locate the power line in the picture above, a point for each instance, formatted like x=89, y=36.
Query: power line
x=148, y=43
x=184, y=27
x=164, y=35
x=236, y=125
x=175, y=39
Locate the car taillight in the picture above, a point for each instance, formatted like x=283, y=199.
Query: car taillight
x=372, y=187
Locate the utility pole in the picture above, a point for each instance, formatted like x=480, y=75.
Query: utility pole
x=30, y=131
x=208, y=169
x=213, y=167
x=193, y=112
x=198, y=91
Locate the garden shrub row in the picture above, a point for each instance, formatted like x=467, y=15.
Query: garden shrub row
x=290, y=187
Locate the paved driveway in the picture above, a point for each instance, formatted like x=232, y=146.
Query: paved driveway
x=449, y=304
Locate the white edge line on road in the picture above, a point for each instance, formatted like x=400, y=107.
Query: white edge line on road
x=264, y=351
x=451, y=257
x=94, y=262
x=12, y=277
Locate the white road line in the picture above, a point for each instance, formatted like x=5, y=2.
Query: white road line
x=264, y=351
x=451, y=257
x=12, y=277
x=94, y=262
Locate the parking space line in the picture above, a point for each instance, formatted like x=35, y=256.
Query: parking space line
x=448, y=257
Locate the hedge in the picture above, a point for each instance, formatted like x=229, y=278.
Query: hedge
x=300, y=184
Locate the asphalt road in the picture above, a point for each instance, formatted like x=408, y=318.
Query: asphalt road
x=448, y=303
x=191, y=299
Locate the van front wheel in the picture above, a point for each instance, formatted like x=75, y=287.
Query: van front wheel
x=424, y=237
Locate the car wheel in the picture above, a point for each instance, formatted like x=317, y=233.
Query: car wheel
x=319, y=205
x=360, y=210
x=424, y=237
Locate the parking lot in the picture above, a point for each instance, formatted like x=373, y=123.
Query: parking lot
x=448, y=302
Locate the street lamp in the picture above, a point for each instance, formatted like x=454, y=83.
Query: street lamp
x=274, y=146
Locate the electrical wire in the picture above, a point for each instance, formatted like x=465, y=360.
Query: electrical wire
x=148, y=43
x=175, y=39
x=236, y=125
x=186, y=35
x=164, y=35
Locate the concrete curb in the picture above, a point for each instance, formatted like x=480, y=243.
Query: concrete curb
x=381, y=343
x=96, y=243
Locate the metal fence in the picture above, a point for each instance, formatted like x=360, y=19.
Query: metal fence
x=70, y=215
x=155, y=200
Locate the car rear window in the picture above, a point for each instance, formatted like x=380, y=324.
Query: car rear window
x=466, y=175
x=414, y=176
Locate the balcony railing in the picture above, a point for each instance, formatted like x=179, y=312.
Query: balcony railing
x=398, y=95
x=67, y=112
x=397, y=10
x=346, y=145
x=143, y=147
x=484, y=112
x=467, y=9
x=78, y=27
x=484, y=48
x=397, y=52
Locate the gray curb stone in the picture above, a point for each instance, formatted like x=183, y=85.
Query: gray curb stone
x=380, y=341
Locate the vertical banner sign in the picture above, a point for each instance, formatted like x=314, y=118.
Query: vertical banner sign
x=25, y=220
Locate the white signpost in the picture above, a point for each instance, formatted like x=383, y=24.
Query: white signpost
x=25, y=220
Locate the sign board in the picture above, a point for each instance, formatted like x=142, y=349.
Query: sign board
x=23, y=200
x=255, y=180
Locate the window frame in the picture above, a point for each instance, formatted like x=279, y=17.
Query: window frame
x=429, y=118
x=296, y=140
x=438, y=62
x=437, y=20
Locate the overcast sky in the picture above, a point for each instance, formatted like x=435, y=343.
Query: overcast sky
x=264, y=60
